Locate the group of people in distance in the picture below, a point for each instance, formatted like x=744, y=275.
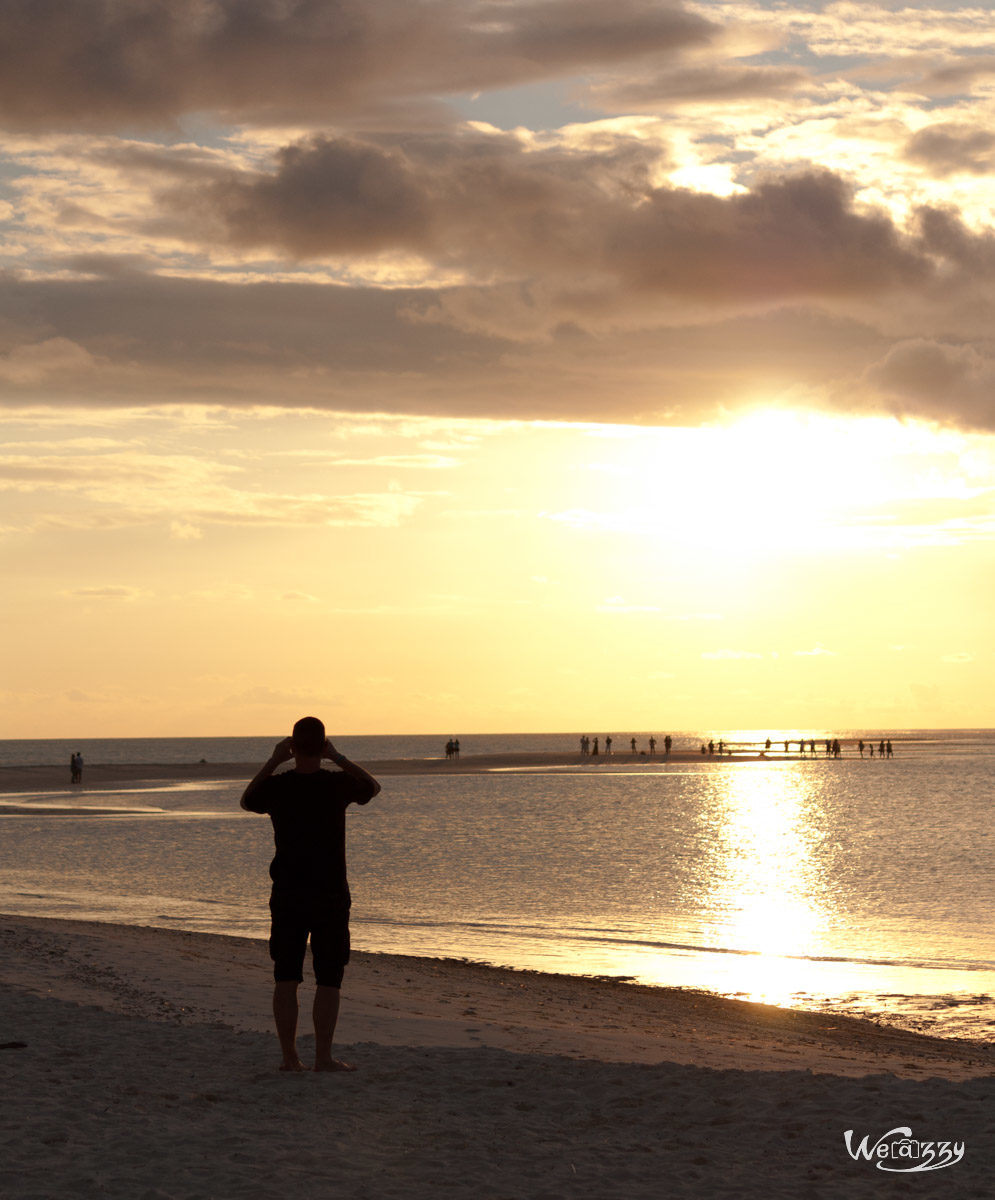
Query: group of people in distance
x=591, y=747
x=833, y=749
x=76, y=768
x=452, y=748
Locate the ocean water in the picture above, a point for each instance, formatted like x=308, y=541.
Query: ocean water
x=848, y=884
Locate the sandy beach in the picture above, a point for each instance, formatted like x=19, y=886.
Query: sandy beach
x=140, y=1063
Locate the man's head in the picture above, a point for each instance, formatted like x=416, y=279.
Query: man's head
x=308, y=737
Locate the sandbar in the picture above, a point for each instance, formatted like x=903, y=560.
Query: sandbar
x=111, y=775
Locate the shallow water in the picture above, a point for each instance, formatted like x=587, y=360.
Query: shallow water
x=847, y=884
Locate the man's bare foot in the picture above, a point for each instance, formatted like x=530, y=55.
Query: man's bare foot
x=333, y=1064
x=293, y=1064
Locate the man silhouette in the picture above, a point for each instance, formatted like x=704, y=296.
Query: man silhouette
x=310, y=895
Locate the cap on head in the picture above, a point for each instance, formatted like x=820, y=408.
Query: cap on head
x=308, y=736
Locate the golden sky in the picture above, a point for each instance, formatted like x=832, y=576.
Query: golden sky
x=456, y=367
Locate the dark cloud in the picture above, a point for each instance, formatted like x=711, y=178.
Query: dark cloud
x=944, y=381
x=152, y=340
x=696, y=85
x=959, y=75
x=103, y=64
x=492, y=206
x=953, y=149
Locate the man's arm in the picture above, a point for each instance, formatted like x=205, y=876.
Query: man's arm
x=282, y=753
x=350, y=768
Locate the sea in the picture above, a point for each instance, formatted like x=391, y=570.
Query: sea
x=853, y=884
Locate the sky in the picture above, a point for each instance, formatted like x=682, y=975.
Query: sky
x=451, y=367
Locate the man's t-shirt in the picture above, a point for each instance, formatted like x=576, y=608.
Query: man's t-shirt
x=308, y=815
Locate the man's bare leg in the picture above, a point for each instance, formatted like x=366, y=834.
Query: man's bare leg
x=285, y=1016
x=325, y=1014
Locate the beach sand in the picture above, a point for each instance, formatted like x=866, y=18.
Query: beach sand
x=144, y=1067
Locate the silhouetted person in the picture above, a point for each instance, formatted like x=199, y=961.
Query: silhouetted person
x=711, y=747
x=652, y=745
x=668, y=741
x=76, y=768
x=608, y=745
x=888, y=747
x=632, y=743
x=860, y=747
x=310, y=895
x=594, y=751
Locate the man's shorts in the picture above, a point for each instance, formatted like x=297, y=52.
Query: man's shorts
x=296, y=915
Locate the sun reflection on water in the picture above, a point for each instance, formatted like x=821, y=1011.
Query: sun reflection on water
x=766, y=890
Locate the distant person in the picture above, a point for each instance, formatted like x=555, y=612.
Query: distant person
x=668, y=741
x=767, y=744
x=704, y=749
x=449, y=749
x=881, y=748
x=72, y=768
x=608, y=744
x=456, y=748
x=652, y=745
x=310, y=895
x=711, y=747
x=77, y=767
x=860, y=747
x=632, y=743
x=594, y=751
x=887, y=747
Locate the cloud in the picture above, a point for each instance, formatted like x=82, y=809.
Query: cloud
x=40, y=361
x=99, y=64
x=493, y=206
x=114, y=592
x=959, y=75
x=938, y=379
x=714, y=83
x=950, y=148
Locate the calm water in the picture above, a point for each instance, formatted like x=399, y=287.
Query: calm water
x=849, y=884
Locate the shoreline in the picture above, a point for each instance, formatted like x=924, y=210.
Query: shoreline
x=392, y=998
x=141, y=1062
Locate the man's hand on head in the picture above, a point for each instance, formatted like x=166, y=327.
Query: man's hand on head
x=329, y=751
x=282, y=752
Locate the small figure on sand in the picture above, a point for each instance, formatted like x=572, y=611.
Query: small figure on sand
x=76, y=768
x=310, y=894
